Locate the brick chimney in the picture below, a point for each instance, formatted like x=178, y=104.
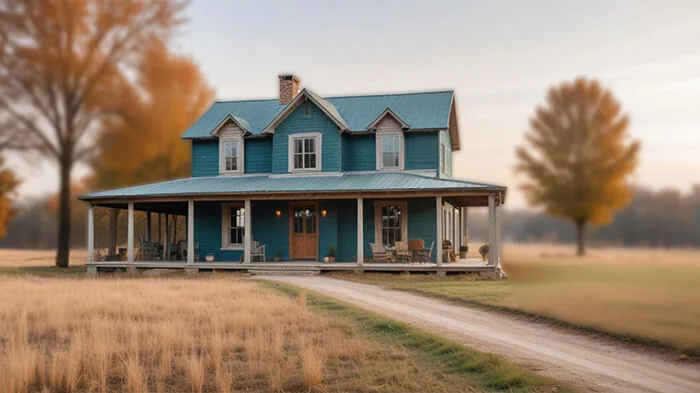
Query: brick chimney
x=289, y=88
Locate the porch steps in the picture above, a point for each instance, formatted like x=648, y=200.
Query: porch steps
x=285, y=272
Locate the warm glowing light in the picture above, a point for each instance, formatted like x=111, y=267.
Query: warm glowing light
x=278, y=213
x=324, y=212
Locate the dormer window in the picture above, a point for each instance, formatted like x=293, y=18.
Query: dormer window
x=391, y=151
x=305, y=152
x=231, y=155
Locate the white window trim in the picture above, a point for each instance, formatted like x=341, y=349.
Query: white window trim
x=241, y=156
x=378, y=148
x=443, y=165
x=378, y=219
x=290, y=152
x=225, y=226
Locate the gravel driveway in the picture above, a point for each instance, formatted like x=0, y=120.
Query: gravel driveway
x=594, y=365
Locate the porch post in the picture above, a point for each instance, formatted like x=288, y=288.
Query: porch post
x=438, y=238
x=499, y=214
x=190, y=232
x=166, y=243
x=464, y=214
x=130, y=235
x=247, y=235
x=160, y=228
x=148, y=226
x=360, y=232
x=493, y=246
x=113, y=216
x=91, y=234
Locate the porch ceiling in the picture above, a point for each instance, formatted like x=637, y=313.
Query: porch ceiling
x=177, y=208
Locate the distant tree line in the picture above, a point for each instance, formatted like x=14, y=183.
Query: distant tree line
x=665, y=218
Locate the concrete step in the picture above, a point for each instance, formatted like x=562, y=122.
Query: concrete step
x=270, y=272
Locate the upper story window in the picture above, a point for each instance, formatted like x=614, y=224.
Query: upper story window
x=390, y=151
x=305, y=152
x=231, y=156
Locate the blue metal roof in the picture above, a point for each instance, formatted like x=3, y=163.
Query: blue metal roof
x=228, y=185
x=424, y=110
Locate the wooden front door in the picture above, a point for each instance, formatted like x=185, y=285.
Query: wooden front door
x=303, y=230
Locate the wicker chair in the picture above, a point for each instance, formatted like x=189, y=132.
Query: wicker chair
x=425, y=254
x=402, y=252
x=379, y=253
x=257, y=252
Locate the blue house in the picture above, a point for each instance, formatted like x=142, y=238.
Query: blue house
x=301, y=176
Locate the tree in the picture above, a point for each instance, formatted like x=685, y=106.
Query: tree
x=8, y=184
x=577, y=156
x=154, y=113
x=60, y=62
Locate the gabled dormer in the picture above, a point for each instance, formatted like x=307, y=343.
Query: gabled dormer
x=389, y=140
x=230, y=133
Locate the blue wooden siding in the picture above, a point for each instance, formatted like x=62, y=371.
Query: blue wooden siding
x=338, y=228
x=207, y=232
x=258, y=155
x=298, y=122
x=205, y=158
x=445, y=139
x=420, y=148
x=361, y=155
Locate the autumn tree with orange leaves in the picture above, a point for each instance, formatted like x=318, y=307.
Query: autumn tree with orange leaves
x=168, y=95
x=578, y=156
x=60, y=64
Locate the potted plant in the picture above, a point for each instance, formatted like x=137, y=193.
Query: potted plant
x=484, y=251
x=331, y=253
x=278, y=257
x=209, y=257
x=463, y=249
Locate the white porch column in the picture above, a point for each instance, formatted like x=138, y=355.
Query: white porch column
x=465, y=225
x=190, y=232
x=130, y=235
x=113, y=217
x=148, y=226
x=166, y=239
x=91, y=234
x=499, y=245
x=438, y=238
x=493, y=243
x=360, y=232
x=247, y=231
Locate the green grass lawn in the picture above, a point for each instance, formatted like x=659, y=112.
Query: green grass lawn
x=655, y=302
x=447, y=360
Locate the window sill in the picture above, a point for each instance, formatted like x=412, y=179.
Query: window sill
x=305, y=170
x=232, y=248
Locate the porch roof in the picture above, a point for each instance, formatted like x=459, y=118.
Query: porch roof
x=271, y=185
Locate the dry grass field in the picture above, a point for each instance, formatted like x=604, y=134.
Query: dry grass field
x=37, y=258
x=646, y=294
x=68, y=333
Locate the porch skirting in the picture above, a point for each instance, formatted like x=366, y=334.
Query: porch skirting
x=463, y=266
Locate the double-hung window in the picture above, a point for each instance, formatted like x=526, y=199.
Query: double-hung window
x=389, y=151
x=233, y=226
x=305, y=152
x=390, y=223
x=231, y=152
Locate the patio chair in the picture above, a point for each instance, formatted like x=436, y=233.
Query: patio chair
x=257, y=252
x=402, y=252
x=183, y=250
x=379, y=253
x=415, y=245
x=425, y=255
x=147, y=250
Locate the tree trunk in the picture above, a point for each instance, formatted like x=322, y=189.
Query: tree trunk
x=581, y=237
x=64, y=222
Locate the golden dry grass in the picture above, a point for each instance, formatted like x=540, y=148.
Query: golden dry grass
x=10, y=258
x=217, y=334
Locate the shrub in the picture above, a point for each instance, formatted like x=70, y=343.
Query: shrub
x=484, y=251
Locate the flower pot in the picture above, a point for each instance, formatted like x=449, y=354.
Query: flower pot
x=462, y=255
x=331, y=259
x=325, y=259
x=209, y=258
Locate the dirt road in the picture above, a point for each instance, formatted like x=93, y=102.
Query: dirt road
x=593, y=365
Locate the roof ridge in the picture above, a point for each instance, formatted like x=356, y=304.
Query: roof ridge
x=405, y=93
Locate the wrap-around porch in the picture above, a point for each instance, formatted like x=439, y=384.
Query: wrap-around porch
x=266, y=233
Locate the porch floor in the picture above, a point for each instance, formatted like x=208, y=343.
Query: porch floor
x=461, y=266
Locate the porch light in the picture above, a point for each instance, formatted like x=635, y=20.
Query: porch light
x=324, y=212
x=278, y=213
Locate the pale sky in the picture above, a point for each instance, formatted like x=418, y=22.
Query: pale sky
x=499, y=56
